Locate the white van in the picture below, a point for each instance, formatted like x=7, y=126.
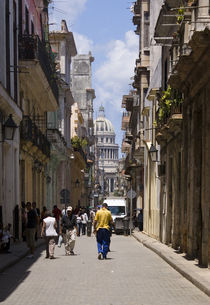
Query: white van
x=117, y=206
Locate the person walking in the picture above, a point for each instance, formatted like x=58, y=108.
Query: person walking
x=84, y=218
x=79, y=223
x=31, y=228
x=57, y=214
x=69, y=230
x=140, y=220
x=37, y=211
x=101, y=224
x=23, y=220
x=49, y=232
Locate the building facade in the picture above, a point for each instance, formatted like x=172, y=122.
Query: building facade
x=59, y=172
x=38, y=95
x=106, y=153
x=84, y=94
x=183, y=126
x=171, y=79
x=9, y=105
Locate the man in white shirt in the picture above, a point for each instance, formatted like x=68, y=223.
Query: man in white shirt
x=84, y=218
x=49, y=232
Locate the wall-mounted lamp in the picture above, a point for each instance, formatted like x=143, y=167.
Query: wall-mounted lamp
x=8, y=129
x=153, y=153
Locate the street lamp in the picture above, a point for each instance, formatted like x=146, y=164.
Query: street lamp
x=153, y=153
x=9, y=128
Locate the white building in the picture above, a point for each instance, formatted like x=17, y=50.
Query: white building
x=106, y=153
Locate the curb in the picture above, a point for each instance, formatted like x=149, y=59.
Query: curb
x=189, y=276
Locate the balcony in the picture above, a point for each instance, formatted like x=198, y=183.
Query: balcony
x=137, y=19
x=125, y=120
x=55, y=137
x=170, y=125
x=81, y=152
x=137, y=8
x=125, y=148
x=38, y=71
x=166, y=24
x=32, y=136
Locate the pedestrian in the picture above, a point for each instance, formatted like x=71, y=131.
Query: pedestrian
x=101, y=228
x=43, y=214
x=57, y=214
x=37, y=210
x=110, y=228
x=92, y=216
x=69, y=230
x=23, y=220
x=31, y=228
x=84, y=219
x=49, y=233
x=63, y=212
x=79, y=223
x=140, y=220
x=5, y=237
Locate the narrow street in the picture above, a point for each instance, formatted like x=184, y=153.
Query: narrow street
x=132, y=275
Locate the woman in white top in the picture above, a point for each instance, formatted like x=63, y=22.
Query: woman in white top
x=49, y=232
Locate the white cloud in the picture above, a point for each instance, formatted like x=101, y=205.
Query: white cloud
x=83, y=44
x=113, y=76
x=68, y=10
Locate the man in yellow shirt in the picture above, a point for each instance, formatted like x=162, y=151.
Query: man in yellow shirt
x=101, y=224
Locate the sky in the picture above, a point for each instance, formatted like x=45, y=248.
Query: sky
x=105, y=28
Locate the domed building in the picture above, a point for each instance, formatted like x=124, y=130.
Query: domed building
x=106, y=153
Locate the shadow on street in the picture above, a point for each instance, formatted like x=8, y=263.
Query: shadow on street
x=12, y=277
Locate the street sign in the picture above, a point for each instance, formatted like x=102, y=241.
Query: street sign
x=129, y=194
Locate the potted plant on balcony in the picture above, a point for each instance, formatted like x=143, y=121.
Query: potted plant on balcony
x=169, y=102
x=78, y=142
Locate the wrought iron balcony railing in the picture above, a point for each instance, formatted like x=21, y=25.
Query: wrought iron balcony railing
x=175, y=109
x=30, y=48
x=30, y=132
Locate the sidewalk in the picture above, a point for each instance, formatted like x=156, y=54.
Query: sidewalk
x=199, y=276
x=18, y=251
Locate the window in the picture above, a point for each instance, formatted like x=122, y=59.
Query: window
x=165, y=74
x=7, y=17
x=116, y=210
x=26, y=20
x=144, y=93
x=32, y=28
x=102, y=140
x=20, y=17
x=15, y=50
x=107, y=140
x=146, y=29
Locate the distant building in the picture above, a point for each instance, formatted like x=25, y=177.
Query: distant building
x=106, y=153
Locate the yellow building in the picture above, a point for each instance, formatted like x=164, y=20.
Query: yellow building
x=39, y=94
